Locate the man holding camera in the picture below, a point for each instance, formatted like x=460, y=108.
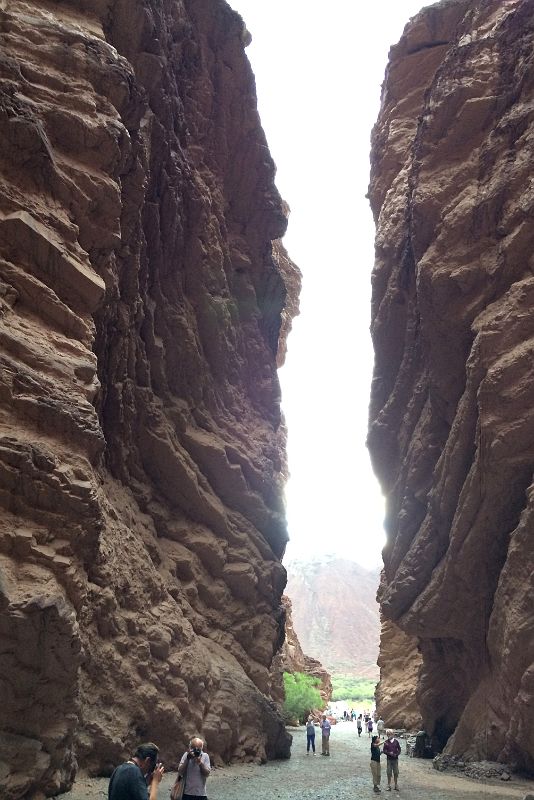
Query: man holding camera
x=194, y=769
x=131, y=780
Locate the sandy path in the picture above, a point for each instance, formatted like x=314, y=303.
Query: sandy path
x=343, y=776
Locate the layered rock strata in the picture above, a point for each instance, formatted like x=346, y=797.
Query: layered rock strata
x=142, y=452
x=451, y=422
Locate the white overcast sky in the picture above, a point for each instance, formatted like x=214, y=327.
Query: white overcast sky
x=319, y=67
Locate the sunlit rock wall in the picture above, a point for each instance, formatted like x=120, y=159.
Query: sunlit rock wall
x=142, y=454
x=451, y=418
x=399, y=661
x=291, y=658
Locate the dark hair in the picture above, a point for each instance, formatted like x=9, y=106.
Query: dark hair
x=374, y=738
x=147, y=750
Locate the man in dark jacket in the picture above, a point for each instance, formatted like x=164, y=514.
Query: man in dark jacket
x=391, y=750
x=131, y=780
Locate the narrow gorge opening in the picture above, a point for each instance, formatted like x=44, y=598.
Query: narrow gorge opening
x=185, y=374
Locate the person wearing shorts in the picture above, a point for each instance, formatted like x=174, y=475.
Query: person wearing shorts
x=391, y=750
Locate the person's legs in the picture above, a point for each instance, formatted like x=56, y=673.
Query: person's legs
x=313, y=743
x=308, y=742
x=324, y=740
x=375, y=771
x=396, y=773
x=388, y=773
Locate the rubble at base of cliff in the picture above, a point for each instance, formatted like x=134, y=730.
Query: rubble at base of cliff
x=479, y=770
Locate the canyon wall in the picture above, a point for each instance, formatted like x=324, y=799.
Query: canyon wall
x=144, y=303
x=451, y=414
x=399, y=661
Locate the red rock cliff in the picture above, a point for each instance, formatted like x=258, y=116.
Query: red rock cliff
x=291, y=658
x=142, y=454
x=451, y=421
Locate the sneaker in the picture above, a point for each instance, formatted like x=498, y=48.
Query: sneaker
x=315, y=754
x=389, y=789
x=397, y=789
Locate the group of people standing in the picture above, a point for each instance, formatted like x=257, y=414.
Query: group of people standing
x=364, y=721
x=388, y=746
x=140, y=776
x=325, y=735
x=391, y=749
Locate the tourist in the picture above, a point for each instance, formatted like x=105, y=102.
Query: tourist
x=325, y=736
x=392, y=751
x=359, y=724
x=310, y=736
x=380, y=727
x=194, y=768
x=131, y=780
x=370, y=726
x=375, y=762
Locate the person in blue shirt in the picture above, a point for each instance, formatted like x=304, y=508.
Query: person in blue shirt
x=310, y=735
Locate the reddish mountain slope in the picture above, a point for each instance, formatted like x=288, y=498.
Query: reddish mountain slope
x=335, y=613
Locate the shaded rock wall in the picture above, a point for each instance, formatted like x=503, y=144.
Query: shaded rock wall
x=142, y=452
x=451, y=423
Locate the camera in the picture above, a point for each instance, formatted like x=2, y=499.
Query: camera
x=195, y=752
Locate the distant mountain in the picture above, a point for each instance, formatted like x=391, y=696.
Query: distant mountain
x=335, y=613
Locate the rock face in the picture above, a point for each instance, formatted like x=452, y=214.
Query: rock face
x=399, y=663
x=451, y=420
x=142, y=453
x=291, y=658
x=335, y=613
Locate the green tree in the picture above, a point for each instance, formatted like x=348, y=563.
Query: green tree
x=301, y=695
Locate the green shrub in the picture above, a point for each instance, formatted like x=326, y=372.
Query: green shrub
x=301, y=695
x=355, y=691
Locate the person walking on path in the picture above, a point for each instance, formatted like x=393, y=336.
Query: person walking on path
x=194, y=768
x=370, y=726
x=310, y=735
x=131, y=780
x=375, y=762
x=380, y=727
x=392, y=750
x=325, y=736
x=359, y=725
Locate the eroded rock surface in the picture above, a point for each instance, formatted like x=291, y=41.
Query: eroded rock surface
x=399, y=663
x=451, y=422
x=142, y=453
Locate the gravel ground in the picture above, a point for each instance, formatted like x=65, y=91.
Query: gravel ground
x=343, y=776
